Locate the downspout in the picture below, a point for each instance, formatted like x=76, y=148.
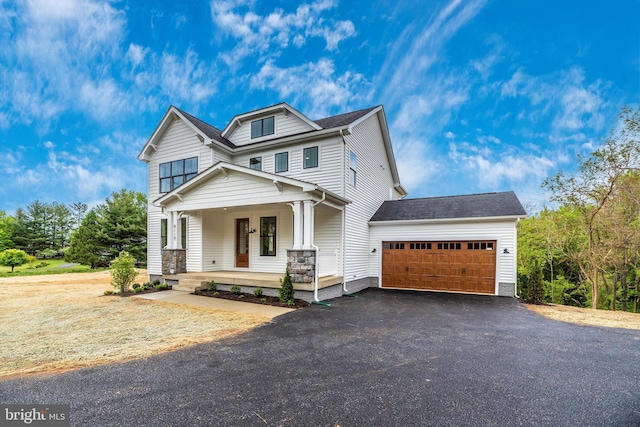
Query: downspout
x=316, y=273
x=515, y=287
x=344, y=214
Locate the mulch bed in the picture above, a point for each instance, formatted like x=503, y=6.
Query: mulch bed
x=246, y=297
x=148, y=291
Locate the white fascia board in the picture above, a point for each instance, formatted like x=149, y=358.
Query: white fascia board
x=168, y=118
x=283, y=106
x=513, y=218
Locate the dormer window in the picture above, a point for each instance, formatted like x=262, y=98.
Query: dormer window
x=262, y=127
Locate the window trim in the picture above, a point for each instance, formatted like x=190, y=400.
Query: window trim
x=164, y=233
x=275, y=162
x=353, y=167
x=304, y=160
x=170, y=178
x=258, y=161
x=269, y=236
x=262, y=131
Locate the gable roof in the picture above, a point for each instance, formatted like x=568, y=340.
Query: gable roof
x=504, y=204
x=343, y=119
x=211, y=131
x=283, y=106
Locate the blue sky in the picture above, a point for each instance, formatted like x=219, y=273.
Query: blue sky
x=480, y=95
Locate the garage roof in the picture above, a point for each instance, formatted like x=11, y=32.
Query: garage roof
x=503, y=204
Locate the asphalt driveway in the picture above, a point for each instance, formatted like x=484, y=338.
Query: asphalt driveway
x=386, y=358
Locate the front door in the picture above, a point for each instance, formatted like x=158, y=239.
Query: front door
x=242, y=242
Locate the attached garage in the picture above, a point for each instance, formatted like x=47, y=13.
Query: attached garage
x=453, y=244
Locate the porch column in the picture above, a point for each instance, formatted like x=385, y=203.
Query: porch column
x=307, y=224
x=297, y=226
x=171, y=230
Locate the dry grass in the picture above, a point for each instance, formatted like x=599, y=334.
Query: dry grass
x=61, y=322
x=587, y=316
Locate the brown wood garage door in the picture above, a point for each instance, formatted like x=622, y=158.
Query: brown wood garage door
x=468, y=266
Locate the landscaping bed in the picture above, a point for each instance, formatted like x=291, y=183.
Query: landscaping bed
x=247, y=297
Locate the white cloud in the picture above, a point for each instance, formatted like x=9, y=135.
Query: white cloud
x=48, y=144
x=315, y=84
x=271, y=33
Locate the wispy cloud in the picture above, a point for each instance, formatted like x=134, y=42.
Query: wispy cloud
x=314, y=84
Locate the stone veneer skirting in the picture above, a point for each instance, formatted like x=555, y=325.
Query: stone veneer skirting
x=301, y=265
x=174, y=259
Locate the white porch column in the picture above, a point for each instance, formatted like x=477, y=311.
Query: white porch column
x=173, y=230
x=297, y=226
x=307, y=225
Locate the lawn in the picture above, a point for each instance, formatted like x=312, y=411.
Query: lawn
x=60, y=322
x=37, y=268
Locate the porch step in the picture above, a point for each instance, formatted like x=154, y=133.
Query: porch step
x=188, y=285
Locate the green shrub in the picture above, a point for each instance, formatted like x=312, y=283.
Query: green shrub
x=236, y=289
x=240, y=296
x=138, y=289
x=146, y=286
x=258, y=292
x=123, y=271
x=13, y=258
x=263, y=300
x=108, y=292
x=136, y=286
x=286, y=291
x=156, y=282
x=212, y=286
x=162, y=287
x=291, y=303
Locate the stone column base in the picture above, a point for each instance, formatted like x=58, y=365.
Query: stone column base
x=302, y=265
x=174, y=261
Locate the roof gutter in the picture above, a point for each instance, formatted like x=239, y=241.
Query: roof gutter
x=449, y=220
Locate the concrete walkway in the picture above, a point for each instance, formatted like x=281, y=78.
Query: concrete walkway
x=179, y=297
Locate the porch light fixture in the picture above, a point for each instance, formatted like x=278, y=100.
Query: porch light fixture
x=252, y=231
x=374, y=251
x=506, y=251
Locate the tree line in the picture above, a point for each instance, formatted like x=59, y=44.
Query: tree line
x=86, y=236
x=586, y=250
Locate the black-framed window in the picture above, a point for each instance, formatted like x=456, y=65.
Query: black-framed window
x=310, y=157
x=262, y=127
x=353, y=163
x=282, y=162
x=268, y=236
x=255, y=163
x=183, y=232
x=163, y=233
x=173, y=174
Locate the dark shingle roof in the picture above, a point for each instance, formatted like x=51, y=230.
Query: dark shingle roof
x=342, y=119
x=211, y=131
x=451, y=207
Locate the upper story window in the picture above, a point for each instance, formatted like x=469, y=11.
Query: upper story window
x=255, y=163
x=282, y=162
x=310, y=157
x=173, y=174
x=353, y=163
x=262, y=127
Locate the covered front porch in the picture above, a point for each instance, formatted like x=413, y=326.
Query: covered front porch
x=243, y=227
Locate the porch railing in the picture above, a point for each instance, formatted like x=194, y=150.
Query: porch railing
x=327, y=263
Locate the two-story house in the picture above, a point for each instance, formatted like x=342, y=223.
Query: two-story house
x=276, y=190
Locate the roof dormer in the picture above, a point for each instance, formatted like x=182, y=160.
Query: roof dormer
x=267, y=123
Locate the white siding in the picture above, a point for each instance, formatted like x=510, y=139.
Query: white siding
x=373, y=181
x=284, y=239
x=236, y=190
x=194, y=242
x=327, y=174
x=328, y=232
x=284, y=125
x=504, y=232
x=213, y=244
x=178, y=142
